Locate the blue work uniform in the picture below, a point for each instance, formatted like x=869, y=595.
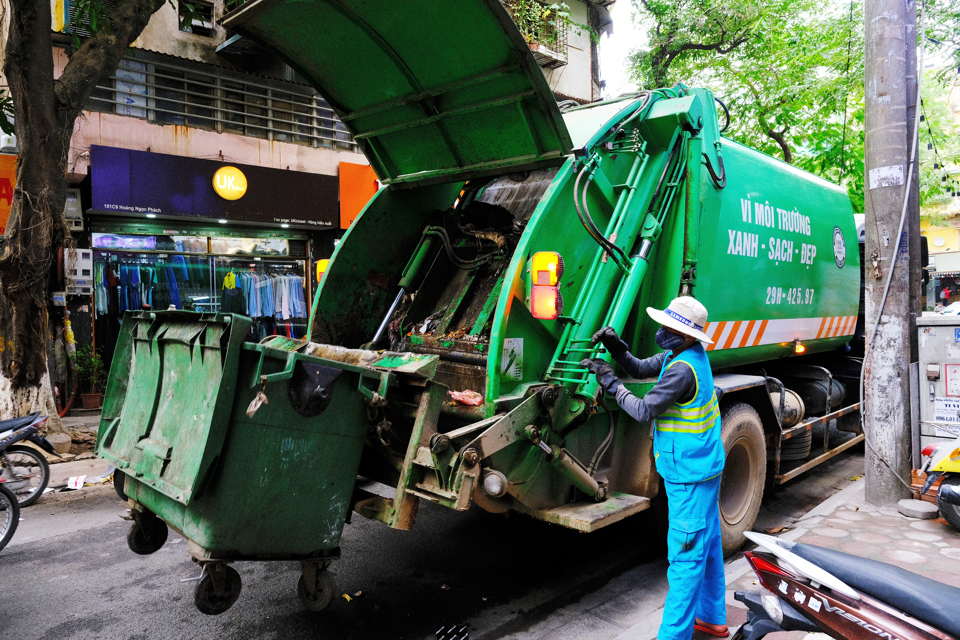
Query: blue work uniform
x=690, y=458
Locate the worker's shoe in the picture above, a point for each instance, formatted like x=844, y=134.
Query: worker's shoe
x=718, y=630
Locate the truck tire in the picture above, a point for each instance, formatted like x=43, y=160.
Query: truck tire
x=741, y=486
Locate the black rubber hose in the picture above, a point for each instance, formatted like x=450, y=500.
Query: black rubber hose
x=725, y=111
x=611, y=246
x=441, y=233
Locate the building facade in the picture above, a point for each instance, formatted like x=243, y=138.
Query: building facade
x=207, y=175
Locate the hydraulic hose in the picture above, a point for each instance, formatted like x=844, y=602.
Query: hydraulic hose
x=589, y=225
x=602, y=449
x=441, y=233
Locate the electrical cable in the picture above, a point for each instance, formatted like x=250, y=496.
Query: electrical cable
x=893, y=262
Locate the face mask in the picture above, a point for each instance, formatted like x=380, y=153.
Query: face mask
x=667, y=340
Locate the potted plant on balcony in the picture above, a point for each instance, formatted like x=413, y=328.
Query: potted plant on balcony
x=92, y=376
x=544, y=26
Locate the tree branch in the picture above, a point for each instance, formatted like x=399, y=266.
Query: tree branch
x=100, y=56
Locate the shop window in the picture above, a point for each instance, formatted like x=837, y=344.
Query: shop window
x=251, y=246
x=199, y=20
x=272, y=293
x=180, y=244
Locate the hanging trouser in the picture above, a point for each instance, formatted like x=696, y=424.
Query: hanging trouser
x=695, y=552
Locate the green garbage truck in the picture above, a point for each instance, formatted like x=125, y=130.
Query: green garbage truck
x=445, y=337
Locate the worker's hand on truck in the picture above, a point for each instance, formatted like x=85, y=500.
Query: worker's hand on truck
x=606, y=378
x=611, y=342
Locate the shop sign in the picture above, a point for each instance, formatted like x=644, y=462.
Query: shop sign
x=229, y=183
x=140, y=183
x=8, y=178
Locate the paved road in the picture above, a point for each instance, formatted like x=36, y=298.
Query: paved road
x=68, y=574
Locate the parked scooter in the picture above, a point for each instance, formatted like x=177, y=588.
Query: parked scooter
x=23, y=470
x=944, y=460
x=9, y=515
x=815, y=589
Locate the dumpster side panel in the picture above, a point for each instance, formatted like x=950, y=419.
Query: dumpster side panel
x=282, y=483
x=169, y=396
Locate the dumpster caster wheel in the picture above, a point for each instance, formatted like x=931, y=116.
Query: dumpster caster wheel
x=323, y=593
x=210, y=602
x=146, y=535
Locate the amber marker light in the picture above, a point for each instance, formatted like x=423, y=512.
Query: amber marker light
x=798, y=346
x=547, y=268
x=546, y=303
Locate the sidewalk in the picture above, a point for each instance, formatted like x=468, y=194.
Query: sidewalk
x=846, y=522
x=630, y=606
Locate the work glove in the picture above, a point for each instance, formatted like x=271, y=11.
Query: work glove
x=606, y=378
x=611, y=342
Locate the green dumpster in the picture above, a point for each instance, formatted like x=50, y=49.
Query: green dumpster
x=274, y=483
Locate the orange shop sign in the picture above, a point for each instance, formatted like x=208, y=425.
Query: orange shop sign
x=8, y=178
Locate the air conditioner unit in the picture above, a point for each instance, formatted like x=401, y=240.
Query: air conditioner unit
x=8, y=143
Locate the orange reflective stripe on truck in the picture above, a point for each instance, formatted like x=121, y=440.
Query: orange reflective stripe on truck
x=737, y=334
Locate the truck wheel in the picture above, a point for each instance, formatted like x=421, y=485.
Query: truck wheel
x=950, y=512
x=744, y=474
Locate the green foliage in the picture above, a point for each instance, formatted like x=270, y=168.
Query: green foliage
x=791, y=72
x=544, y=24
x=938, y=146
x=94, y=16
x=90, y=369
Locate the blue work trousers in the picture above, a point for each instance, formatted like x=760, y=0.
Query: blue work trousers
x=697, y=585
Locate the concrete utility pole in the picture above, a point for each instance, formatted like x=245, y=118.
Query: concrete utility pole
x=886, y=377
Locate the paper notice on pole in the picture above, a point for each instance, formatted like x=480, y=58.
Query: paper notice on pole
x=891, y=176
x=76, y=482
x=952, y=432
x=952, y=379
x=946, y=410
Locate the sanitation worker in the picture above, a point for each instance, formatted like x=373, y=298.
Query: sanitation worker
x=689, y=457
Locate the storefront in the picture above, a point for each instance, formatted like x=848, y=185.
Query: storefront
x=169, y=232
x=944, y=287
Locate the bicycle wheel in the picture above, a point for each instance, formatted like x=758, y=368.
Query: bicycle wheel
x=9, y=515
x=25, y=472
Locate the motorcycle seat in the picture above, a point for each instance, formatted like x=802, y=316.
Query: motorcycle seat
x=16, y=423
x=927, y=600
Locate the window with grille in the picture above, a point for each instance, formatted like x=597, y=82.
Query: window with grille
x=199, y=21
x=170, y=94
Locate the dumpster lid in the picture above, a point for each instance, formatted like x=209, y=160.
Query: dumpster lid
x=432, y=92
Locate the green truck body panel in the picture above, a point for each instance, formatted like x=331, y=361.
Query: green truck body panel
x=436, y=272
x=423, y=96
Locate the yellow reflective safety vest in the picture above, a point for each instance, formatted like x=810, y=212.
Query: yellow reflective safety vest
x=686, y=438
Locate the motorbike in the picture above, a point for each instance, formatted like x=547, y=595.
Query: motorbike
x=943, y=459
x=23, y=470
x=813, y=589
x=9, y=515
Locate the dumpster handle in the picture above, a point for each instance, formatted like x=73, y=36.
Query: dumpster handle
x=286, y=374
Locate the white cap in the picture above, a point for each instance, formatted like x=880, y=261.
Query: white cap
x=685, y=315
